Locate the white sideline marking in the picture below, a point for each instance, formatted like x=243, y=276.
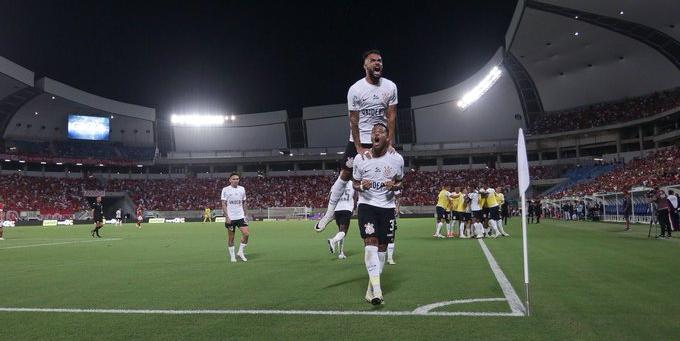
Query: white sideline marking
x=510, y=294
x=251, y=312
x=61, y=243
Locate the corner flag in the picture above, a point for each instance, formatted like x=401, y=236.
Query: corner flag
x=523, y=180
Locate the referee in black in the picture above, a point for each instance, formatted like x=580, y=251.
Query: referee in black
x=98, y=215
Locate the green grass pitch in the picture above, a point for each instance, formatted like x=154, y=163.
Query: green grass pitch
x=589, y=281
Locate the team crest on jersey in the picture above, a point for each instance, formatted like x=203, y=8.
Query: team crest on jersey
x=388, y=171
x=375, y=96
x=368, y=228
x=377, y=170
x=356, y=101
x=350, y=162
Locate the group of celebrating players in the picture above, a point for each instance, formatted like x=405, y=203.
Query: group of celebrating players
x=479, y=212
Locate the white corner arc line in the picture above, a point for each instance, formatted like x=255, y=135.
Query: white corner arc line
x=250, y=312
x=510, y=294
x=61, y=243
x=426, y=308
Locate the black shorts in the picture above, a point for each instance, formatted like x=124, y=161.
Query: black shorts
x=494, y=213
x=460, y=216
x=442, y=213
x=350, y=153
x=342, y=218
x=376, y=222
x=478, y=215
x=485, y=212
x=467, y=216
x=236, y=223
x=98, y=219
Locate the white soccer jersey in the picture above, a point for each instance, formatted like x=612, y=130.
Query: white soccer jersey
x=346, y=202
x=235, y=197
x=118, y=213
x=371, y=101
x=474, y=201
x=379, y=169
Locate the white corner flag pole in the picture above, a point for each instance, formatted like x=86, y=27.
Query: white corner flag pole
x=523, y=177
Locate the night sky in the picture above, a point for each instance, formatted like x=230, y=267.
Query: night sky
x=248, y=56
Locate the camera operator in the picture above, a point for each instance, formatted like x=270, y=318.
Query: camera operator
x=626, y=209
x=662, y=203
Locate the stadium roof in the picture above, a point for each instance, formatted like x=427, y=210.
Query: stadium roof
x=579, y=52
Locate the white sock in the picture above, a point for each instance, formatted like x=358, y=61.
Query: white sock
x=338, y=237
x=479, y=229
x=448, y=229
x=337, y=190
x=373, y=266
x=381, y=257
x=500, y=226
x=439, y=228
x=342, y=246
x=231, y=252
x=390, y=251
x=242, y=247
x=493, y=226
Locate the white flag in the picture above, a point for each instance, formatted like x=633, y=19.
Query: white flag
x=522, y=163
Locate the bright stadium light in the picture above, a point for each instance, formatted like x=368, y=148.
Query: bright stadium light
x=198, y=120
x=480, y=89
x=59, y=163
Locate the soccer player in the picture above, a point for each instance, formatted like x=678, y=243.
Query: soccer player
x=494, y=211
x=477, y=218
x=500, y=198
x=371, y=100
x=140, y=215
x=234, y=208
x=207, y=215
x=376, y=179
x=2, y=218
x=443, y=199
x=98, y=216
x=119, y=220
x=343, y=215
x=459, y=205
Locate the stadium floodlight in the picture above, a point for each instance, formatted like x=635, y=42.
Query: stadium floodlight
x=198, y=120
x=79, y=164
x=340, y=153
x=22, y=161
x=480, y=89
x=43, y=162
x=233, y=117
x=322, y=153
x=59, y=163
x=140, y=166
x=7, y=160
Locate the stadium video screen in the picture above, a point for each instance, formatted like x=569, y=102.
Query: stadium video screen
x=88, y=128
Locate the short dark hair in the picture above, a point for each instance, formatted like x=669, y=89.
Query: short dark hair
x=234, y=173
x=387, y=130
x=374, y=51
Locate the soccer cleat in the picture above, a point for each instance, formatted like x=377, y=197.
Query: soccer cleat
x=1, y=238
x=391, y=262
x=233, y=259
x=92, y=233
x=342, y=256
x=505, y=234
x=331, y=246
x=242, y=256
x=377, y=299
x=321, y=224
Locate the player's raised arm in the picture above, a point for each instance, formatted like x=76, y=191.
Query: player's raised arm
x=391, y=123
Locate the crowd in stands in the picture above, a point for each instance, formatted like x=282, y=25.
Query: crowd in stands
x=660, y=168
x=45, y=194
x=605, y=113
